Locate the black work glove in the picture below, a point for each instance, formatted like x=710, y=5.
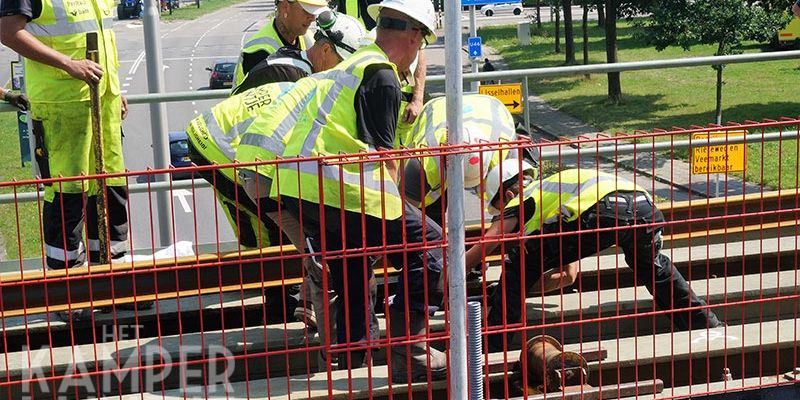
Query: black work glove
x=17, y=100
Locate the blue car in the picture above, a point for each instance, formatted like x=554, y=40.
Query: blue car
x=179, y=153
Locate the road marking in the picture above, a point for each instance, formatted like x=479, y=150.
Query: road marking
x=136, y=64
x=128, y=78
x=123, y=91
x=181, y=195
x=126, y=84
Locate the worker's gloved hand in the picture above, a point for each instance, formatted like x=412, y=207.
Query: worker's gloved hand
x=17, y=100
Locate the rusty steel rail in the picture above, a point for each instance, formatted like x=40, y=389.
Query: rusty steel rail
x=37, y=291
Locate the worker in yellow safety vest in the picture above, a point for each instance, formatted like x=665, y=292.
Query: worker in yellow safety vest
x=353, y=108
x=51, y=35
x=287, y=28
x=572, y=203
x=485, y=119
x=214, y=138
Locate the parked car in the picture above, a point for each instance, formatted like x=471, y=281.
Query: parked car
x=129, y=9
x=179, y=153
x=490, y=9
x=221, y=74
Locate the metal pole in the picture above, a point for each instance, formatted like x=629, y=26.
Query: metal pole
x=158, y=114
x=527, y=104
x=473, y=32
x=456, y=272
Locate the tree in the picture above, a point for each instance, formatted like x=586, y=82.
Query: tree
x=569, y=37
x=601, y=14
x=585, y=31
x=539, y=15
x=556, y=10
x=724, y=23
x=614, y=83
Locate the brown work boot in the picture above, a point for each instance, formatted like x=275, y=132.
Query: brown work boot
x=422, y=356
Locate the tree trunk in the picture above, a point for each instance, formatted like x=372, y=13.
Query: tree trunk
x=558, y=29
x=601, y=15
x=585, y=29
x=614, y=84
x=569, y=37
x=539, y=15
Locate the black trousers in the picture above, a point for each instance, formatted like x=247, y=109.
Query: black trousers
x=419, y=281
x=641, y=246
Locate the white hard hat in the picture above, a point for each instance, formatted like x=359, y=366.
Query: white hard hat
x=344, y=31
x=418, y=10
x=511, y=168
x=476, y=163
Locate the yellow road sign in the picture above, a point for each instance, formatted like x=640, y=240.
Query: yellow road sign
x=510, y=94
x=720, y=158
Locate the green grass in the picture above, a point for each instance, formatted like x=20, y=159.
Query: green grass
x=667, y=97
x=190, y=11
x=27, y=231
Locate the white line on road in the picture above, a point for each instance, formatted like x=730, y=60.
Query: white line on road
x=181, y=195
x=126, y=84
x=128, y=78
x=136, y=64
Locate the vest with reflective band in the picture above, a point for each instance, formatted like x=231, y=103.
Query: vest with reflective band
x=351, y=8
x=318, y=119
x=62, y=26
x=480, y=113
x=216, y=133
x=266, y=39
x=569, y=193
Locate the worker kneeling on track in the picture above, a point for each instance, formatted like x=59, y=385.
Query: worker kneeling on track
x=214, y=138
x=576, y=201
x=353, y=108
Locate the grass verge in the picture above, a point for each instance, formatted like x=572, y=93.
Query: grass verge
x=19, y=224
x=667, y=97
x=189, y=11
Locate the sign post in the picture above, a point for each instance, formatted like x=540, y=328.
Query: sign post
x=717, y=159
x=17, y=82
x=509, y=93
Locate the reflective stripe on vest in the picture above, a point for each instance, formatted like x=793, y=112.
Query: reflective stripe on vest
x=569, y=193
x=300, y=64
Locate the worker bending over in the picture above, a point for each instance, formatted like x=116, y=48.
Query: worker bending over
x=485, y=119
x=576, y=201
x=353, y=108
x=215, y=135
x=287, y=28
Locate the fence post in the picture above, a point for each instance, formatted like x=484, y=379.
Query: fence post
x=158, y=114
x=456, y=270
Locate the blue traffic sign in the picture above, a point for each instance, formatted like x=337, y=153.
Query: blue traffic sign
x=474, y=47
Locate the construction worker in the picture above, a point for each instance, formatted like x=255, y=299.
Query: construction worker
x=51, y=35
x=337, y=37
x=353, y=108
x=18, y=100
x=287, y=28
x=577, y=201
x=214, y=137
x=485, y=119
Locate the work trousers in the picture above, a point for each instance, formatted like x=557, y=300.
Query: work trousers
x=420, y=279
x=252, y=231
x=64, y=147
x=641, y=246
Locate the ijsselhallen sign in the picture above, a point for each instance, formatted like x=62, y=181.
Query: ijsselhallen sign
x=510, y=94
x=720, y=158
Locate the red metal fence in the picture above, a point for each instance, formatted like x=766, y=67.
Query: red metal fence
x=223, y=324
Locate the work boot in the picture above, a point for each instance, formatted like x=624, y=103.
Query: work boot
x=417, y=353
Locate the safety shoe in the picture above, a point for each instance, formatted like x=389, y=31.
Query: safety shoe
x=412, y=360
x=305, y=313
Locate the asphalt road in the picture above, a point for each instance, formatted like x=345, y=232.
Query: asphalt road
x=188, y=48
